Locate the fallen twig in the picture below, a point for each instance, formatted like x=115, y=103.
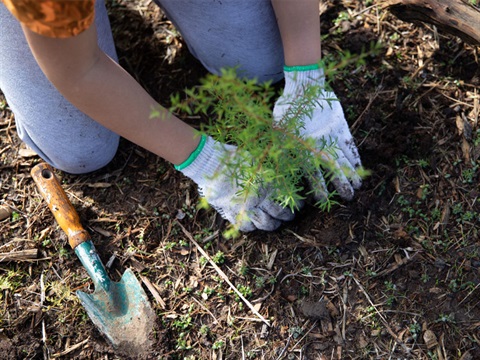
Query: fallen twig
x=395, y=266
x=19, y=255
x=46, y=351
x=215, y=320
x=70, y=349
x=223, y=275
x=153, y=291
x=382, y=318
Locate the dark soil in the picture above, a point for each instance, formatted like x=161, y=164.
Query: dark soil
x=394, y=274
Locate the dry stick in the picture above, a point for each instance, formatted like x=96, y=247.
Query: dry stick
x=206, y=309
x=153, y=291
x=285, y=347
x=305, y=335
x=70, y=349
x=270, y=293
x=470, y=293
x=46, y=352
x=384, y=321
x=243, y=349
x=223, y=275
x=210, y=237
x=344, y=317
x=370, y=102
x=19, y=255
x=396, y=266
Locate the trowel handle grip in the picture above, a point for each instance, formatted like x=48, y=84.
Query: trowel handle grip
x=57, y=200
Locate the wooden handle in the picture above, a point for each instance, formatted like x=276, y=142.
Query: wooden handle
x=65, y=214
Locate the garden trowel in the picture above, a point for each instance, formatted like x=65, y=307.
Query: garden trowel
x=120, y=310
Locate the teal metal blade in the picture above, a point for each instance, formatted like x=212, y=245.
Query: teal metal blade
x=120, y=310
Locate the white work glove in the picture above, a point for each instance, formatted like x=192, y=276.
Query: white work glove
x=326, y=124
x=217, y=185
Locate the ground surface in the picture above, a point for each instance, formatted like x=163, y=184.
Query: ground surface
x=393, y=274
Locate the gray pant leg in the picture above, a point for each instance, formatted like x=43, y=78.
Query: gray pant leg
x=230, y=33
x=62, y=135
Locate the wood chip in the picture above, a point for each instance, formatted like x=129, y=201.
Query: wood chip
x=460, y=124
x=331, y=308
x=362, y=342
x=430, y=339
x=271, y=261
x=264, y=332
x=26, y=153
x=100, y=185
x=466, y=150
x=101, y=231
x=5, y=212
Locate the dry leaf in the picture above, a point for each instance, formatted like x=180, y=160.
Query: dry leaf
x=362, y=342
x=332, y=309
x=291, y=298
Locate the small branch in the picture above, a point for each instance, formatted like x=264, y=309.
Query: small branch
x=396, y=266
x=70, y=349
x=223, y=275
x=20, y=255
x=382, y=318
x=457, y=17
x=153, y=291
x=46, y=351
x=215, y=320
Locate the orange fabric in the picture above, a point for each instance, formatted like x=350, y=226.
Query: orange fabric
x=54, y=18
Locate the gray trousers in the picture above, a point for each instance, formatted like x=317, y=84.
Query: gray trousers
x=219, y=33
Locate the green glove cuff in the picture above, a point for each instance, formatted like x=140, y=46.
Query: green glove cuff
x=193, y=155
x=301, y=67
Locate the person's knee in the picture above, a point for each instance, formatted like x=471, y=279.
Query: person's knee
x=82, y=163
x=63, y=136
x=74, y=157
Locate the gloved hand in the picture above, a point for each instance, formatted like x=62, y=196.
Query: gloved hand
x=326, y=124
x=206, y=167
